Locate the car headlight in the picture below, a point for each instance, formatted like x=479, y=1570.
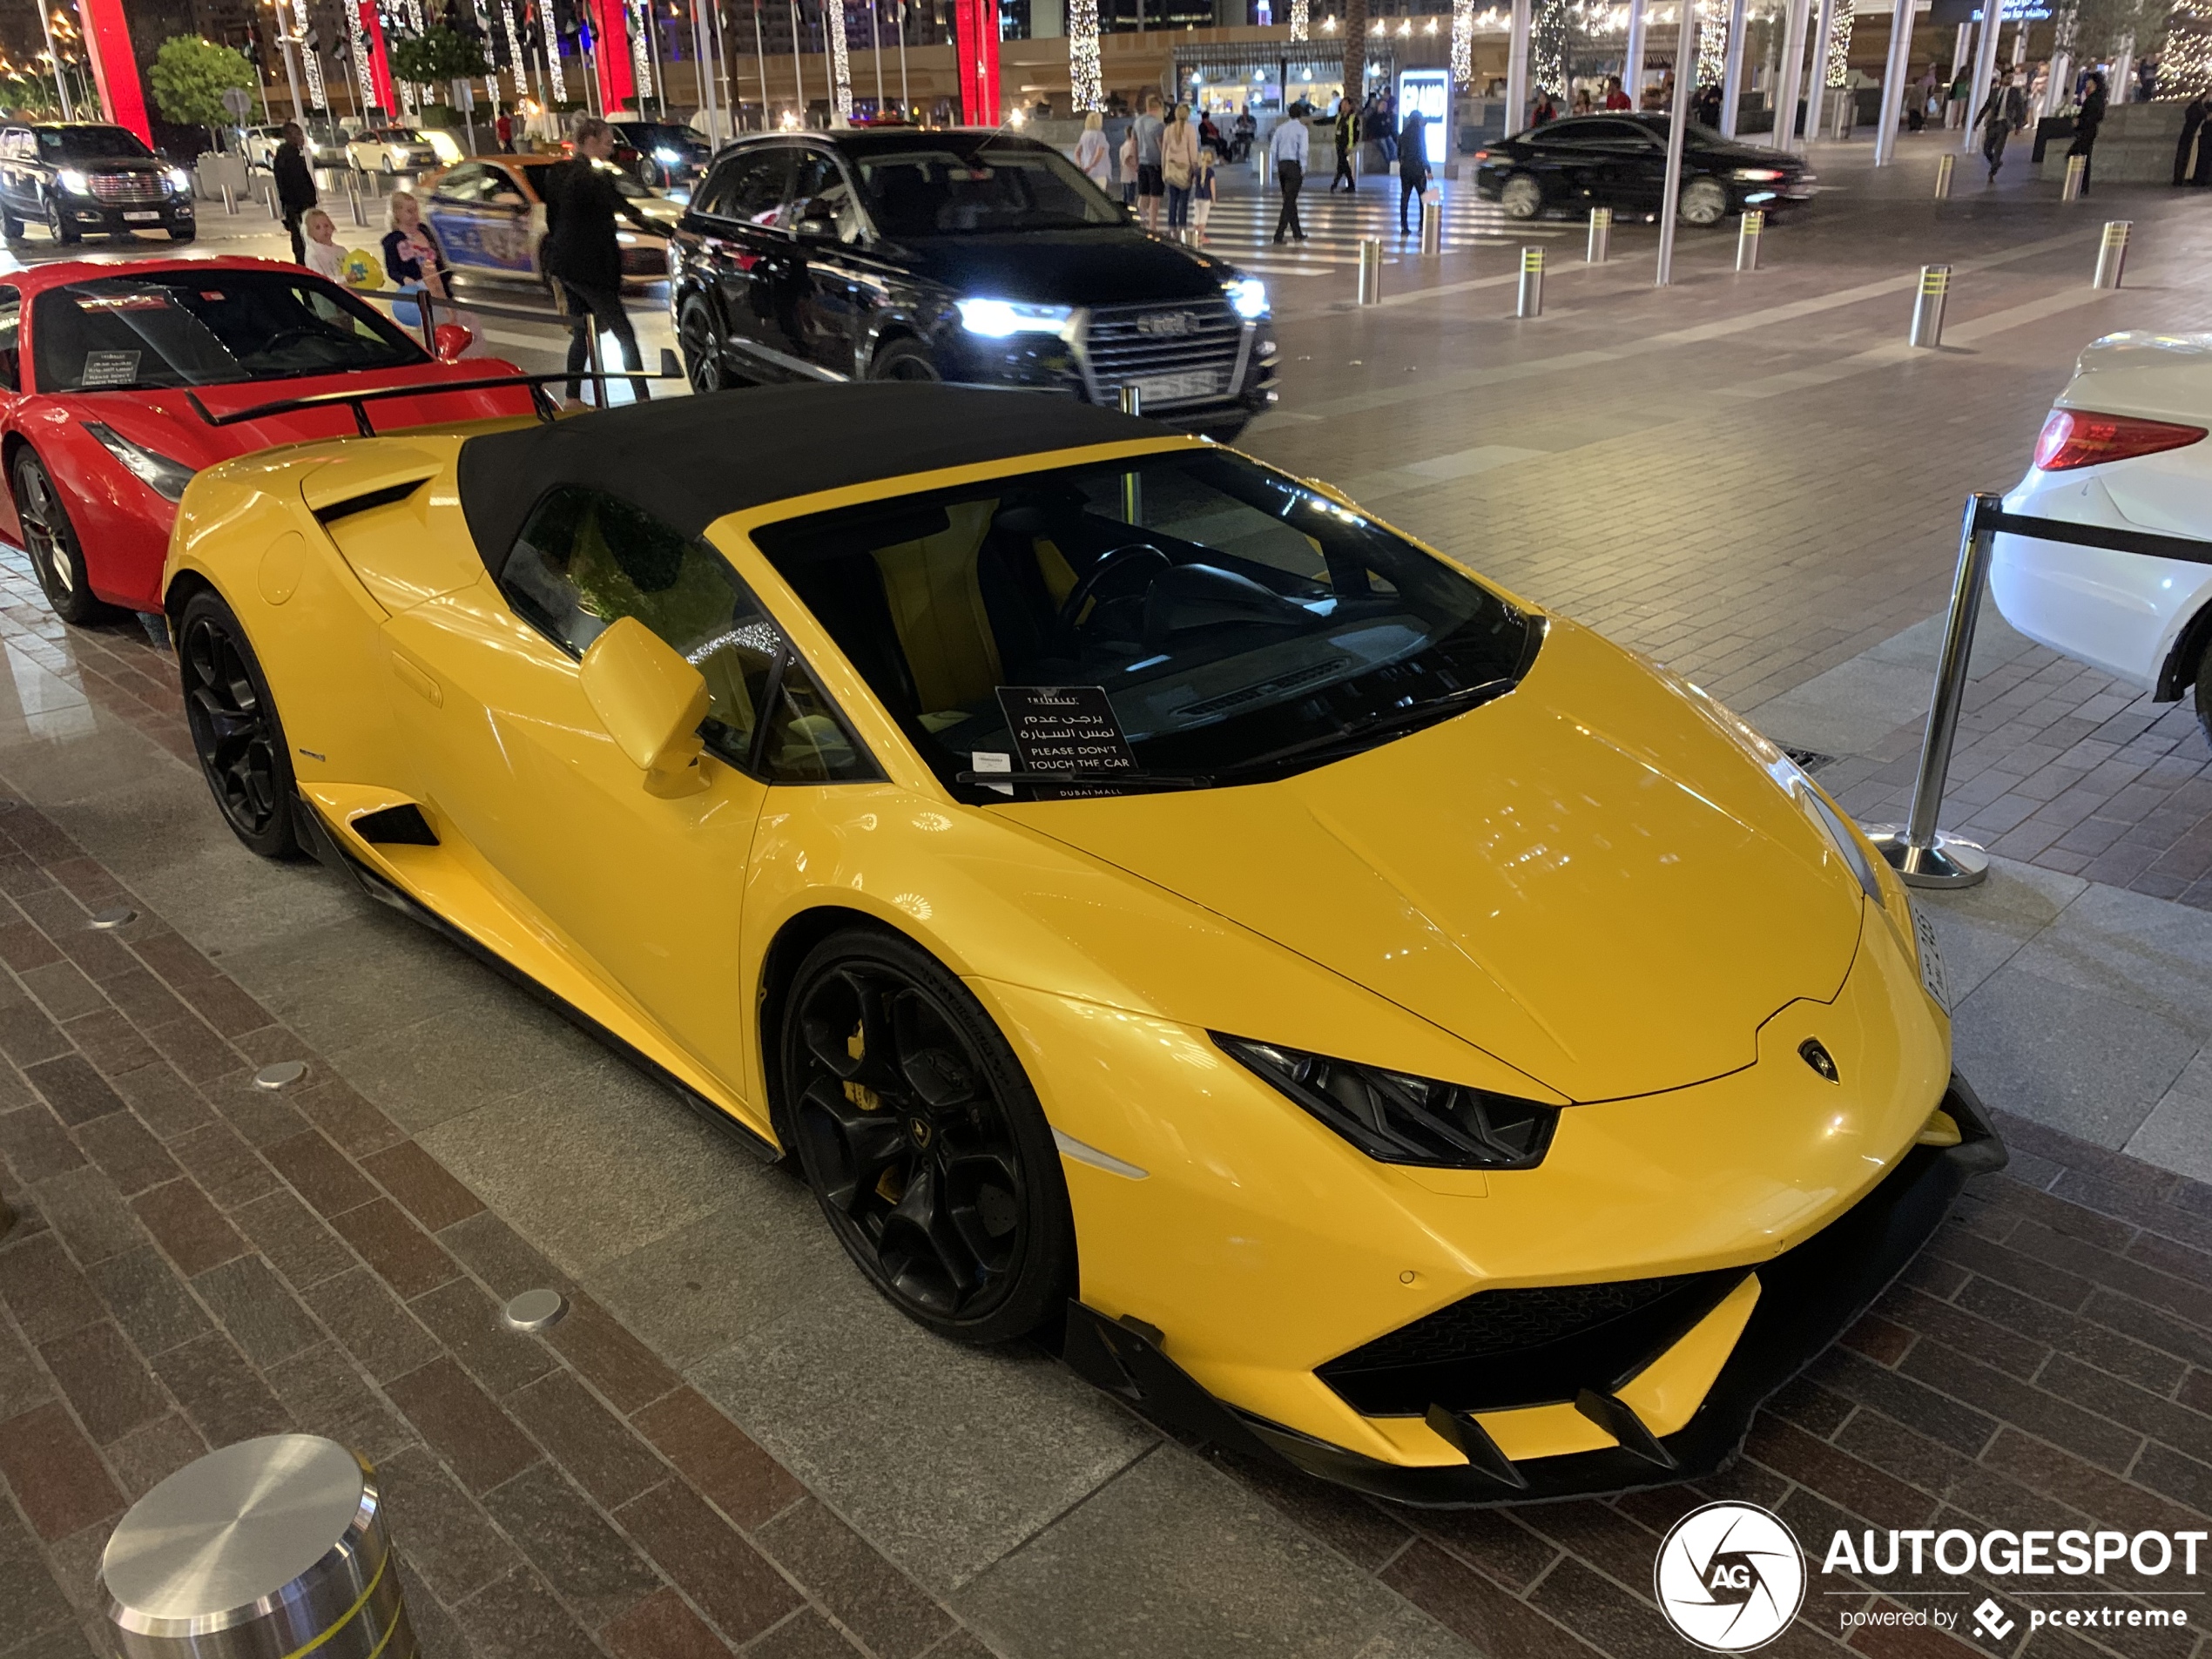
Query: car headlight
x=180, y=181
x=165, y=477
x=1248, y=295
x=1792, y=778
x=72, y=181
x=628, y=238
x=997, y=318
x=1397, y=1118
x=666, y=157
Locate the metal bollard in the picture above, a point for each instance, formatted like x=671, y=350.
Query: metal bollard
x=268, y=195
x=272, y=1546
x=1747, y=239
x=599, y=390
x=354, y=195
x=1133, y=400
x=230, y=202
x=2112, y=253
x=1528, y=301
x=1370, y=270
x=1432, y=228
x=1927, y=307
x=1132, y=481
x=1943, y=177
x=2077, y=175
x=1922, y=854
x=1600, y=247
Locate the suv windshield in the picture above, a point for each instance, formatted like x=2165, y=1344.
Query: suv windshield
x=91, y=143
x=941, y=191
x=169, y=328
x=1193, y=618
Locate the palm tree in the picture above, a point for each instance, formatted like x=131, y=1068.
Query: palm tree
x=1355, y=52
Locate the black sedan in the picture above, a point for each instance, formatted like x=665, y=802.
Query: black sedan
x=1620, y=161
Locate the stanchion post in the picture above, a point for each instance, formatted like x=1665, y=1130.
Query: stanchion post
x=1528, y=300
x=1370, y=270
x=1600, y=247
x=1747, y=239
x=1132, y=485
x=1431, y=229
x=2112, y=253
x=1132, y=400
x=1922, y=854
x=422, y=310
x=268, y=195
x=1927, y=307
x=598, y=367
x=1943, y=176
x=2077, y=174
x=230, y=202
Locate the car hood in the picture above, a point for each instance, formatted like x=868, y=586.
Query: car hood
x=1589, y=878
x=1110, y=265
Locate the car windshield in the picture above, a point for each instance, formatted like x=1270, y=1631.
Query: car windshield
x=169, y=328
x=941, y=191
x=91, y=144
x=1182, y=620
x=674, y=137
x=396, y=135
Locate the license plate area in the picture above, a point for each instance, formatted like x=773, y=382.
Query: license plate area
x=1181, y=389
x=141, y=219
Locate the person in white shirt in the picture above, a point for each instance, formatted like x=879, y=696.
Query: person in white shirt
x=1091, y=153
x=1288, y=147
x=325, y=257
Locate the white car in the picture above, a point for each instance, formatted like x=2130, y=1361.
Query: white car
x=392, y=150
x=2124, y=448
x=260, y=145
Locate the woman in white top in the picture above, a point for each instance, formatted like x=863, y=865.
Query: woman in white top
x=1179, y=166
x=1092, y=154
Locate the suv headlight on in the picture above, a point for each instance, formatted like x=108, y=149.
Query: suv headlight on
x=1247, y=297
x=165, y=477
x=1001, y=319
x=179, y=181
x=1397, y=1118
x=71, y=182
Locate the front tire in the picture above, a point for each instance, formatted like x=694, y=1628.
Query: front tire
x=904, y=360
x=57, y=224
x=1703, y=203
x=918, y=1130
x=1521, y=197
x=235, y=730
x=706, y=363
x=10, y=226
x=50, y=539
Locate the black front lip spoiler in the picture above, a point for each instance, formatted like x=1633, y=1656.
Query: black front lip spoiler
x=1808, y=1297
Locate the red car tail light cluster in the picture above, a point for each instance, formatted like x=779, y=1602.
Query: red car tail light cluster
x=2073, y=438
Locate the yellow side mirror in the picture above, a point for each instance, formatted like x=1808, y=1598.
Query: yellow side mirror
x=649, y=699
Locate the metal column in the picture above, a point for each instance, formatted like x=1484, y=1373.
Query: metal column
x=1895, y=68
x=1632, y=61
x=1824, y=19
x=1516, y=68
x=1677, y=129
x=1985, y=72
x=1791, y=83
x=1731, y=68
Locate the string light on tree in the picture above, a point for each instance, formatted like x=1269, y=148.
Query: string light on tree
x=1462, y=44
x=557, y=82
x=1301, y=19
x=517, y=66
x=641, y=48
x=1712, y=47
x=1839, y=44
x=2185, y=61
x=840, y=68
x=310, y=59
x=1549, y=33
x=360, y=43
x=1083, y=78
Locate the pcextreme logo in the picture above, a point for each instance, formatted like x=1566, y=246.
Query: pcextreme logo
x=1729, y=1577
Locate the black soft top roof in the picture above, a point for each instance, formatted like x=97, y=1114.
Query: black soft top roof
x=689, y=460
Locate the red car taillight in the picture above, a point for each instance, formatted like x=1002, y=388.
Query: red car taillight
x=2074, y=438
x=1482, y=155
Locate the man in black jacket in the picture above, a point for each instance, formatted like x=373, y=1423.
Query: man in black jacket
x=2086, y=124
x=295, y=185
x=581, y=254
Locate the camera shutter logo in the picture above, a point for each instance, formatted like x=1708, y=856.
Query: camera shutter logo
x=1729, y=1577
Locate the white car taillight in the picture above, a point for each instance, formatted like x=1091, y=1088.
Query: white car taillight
x=2073, y=438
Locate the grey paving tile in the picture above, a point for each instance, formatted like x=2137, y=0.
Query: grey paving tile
x=263, y=1318
x=452, y=1063
x=1172, y=1559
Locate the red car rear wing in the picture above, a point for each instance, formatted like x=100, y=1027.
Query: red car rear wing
x=359, y=401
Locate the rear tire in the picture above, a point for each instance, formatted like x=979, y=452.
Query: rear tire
x=706, y=364
x=50, y=539
x=235, y=730
x=1521, y=197
x=905, y=359
x=1703, y=203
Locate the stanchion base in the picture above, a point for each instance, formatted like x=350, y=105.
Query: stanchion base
x=1950, y=863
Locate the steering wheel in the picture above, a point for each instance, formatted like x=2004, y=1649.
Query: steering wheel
x=1109, y=566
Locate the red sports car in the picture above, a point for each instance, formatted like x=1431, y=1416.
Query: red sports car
x=113, y=379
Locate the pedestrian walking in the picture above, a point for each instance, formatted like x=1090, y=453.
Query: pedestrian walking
x=1178, y=162
x=1996, y=126
x=1128, y=160
x=1413, y=165
x=295, y=185
x=1287, y=147
x=2086, y=123
x=1092, y=154
x=1348, y=136
x=503, y=130
x=1150, y=186
x=580, y=254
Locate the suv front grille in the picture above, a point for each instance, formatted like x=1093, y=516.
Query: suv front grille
x=126, y=186
x=1500, y=1349
x=1186, y=352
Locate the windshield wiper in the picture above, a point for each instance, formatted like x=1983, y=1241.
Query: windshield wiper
x=1131, y=780
x=1387, y=723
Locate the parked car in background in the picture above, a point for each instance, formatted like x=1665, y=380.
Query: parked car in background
x=1620, y=161
x=967, y=255
x=77, y=178
x=391, y=150
x=260, y=145
x=661, y=154
x=489, y=218
x=2122, y=448
x=328, y=144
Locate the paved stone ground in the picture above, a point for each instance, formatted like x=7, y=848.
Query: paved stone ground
x=732, y=1442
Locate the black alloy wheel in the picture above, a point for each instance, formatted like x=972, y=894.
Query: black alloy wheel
x=1704, y=202
x=904, y=360
x=57, y=224
x=923, y=1141
x=51, y=540
x=704, y=364
x=234, y=726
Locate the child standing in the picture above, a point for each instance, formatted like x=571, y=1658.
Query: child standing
x=1201, y=195
x=1128, y=168
x=324, y=257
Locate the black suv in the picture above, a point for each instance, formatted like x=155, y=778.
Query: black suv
x=957, y=256
x=660, y=154
x=77, y=176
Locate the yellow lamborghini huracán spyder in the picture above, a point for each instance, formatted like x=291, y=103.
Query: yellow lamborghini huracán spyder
x=1395, y=1030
